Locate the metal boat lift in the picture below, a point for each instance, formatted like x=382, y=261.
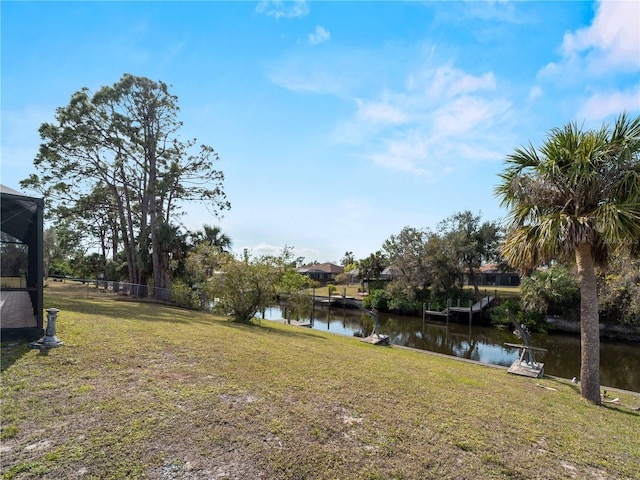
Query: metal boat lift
x=376, y=338
x=526, y=365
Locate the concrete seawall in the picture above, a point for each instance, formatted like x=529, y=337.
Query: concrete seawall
x=622, y=332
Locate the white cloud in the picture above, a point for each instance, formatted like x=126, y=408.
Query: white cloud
x=500, y=10
x=442, y=118
x=466, y=115
x=314, y=80
x=411, y=120
x=447, y=81
x=597, y=73
x=601, y=105
x=283, y=9
x=535, y=93
x=612, y=40
x=378, y=112
x=319, y=35
x=404, y=152
x=610, y=44
x=320, y=71
x=450, y=82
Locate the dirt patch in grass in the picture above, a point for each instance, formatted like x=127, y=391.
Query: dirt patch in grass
x=147, y=391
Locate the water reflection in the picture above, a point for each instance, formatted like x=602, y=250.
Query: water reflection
x=618, y=360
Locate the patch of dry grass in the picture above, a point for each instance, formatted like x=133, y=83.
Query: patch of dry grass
x=148, y=391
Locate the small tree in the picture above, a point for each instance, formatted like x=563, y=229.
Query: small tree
x=372, y=266
x=242, y=286
x=471, y=242
x=407, y=252
x=348, y=259
x=245, y=287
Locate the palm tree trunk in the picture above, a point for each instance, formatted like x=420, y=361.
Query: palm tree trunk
x=589, y=326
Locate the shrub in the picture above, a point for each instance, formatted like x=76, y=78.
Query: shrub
x=342, y=279
x=184, y=296
x=401, y=298
x=554, y=291
x=377, y=299
x=534, y=321
x=620, y=291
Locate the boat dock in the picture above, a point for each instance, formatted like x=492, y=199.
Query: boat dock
x=475, y=308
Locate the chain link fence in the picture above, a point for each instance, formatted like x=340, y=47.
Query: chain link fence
x=180, y=295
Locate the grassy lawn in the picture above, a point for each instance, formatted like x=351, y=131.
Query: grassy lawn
x=352, y=291
x=148, y=391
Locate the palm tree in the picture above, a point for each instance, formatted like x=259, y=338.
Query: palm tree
x=578, y=195
x=552, y=288
x=214, y=237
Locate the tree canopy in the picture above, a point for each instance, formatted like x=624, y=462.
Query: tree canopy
x=114, y=159
x=471, y=242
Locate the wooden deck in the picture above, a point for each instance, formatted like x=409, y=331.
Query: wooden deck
x=475, y=308
x=339, y=301
x=434, y=313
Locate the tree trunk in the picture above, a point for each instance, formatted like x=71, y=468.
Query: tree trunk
x=589, y=326
x=158, y=279
x=115, y=240
x=152, y=196
x=473, y=279
x=103, y=243
x=126, y=225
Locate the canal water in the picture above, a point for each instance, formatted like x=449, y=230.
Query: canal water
x=619, y=361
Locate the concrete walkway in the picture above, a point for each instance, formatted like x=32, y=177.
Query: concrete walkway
x=16, y=310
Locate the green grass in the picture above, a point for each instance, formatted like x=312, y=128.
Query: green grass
x=148, y=391
x=497, y=291
x=352, y=291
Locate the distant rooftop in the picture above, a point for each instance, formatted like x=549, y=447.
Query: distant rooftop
x=322, y=267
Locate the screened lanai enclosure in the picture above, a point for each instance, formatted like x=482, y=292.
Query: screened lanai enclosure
x=21, y=265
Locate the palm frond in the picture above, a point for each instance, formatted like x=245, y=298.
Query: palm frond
x=579, y=187
x=618, y=223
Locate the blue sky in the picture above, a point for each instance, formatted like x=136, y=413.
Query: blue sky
x=337, y=123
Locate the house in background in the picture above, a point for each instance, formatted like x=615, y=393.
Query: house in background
x=322, y=272
x=492, y=274
x=390, y=273
x=21, y=270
